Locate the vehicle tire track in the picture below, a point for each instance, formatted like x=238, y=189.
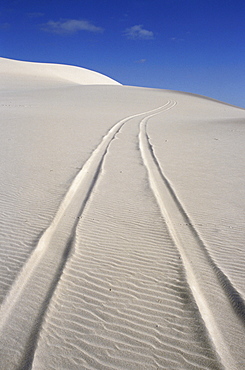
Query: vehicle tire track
x=22, y=311
x=224, y=318
x=123, y=301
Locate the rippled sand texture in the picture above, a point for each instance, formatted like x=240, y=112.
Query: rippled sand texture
x=121, y=230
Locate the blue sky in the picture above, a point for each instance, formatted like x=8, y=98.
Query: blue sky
x=196, y=46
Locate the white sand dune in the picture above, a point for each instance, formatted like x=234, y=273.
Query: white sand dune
x=121, y=236
x=17, y=74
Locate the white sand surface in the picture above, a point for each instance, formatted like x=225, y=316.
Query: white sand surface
x=16, y=74
x=121, y=225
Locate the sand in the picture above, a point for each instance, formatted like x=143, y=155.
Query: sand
x=122, y=213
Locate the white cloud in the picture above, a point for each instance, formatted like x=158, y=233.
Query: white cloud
x=140, y=61
x=138, y=32
x=176, y=39
x=70, y=26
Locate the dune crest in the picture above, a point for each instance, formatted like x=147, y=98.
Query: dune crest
x=10, y=70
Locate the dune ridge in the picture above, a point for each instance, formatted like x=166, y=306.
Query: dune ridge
x=13, y=71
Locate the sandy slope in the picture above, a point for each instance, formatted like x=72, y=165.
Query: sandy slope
x=122, y=216
x=17, y=74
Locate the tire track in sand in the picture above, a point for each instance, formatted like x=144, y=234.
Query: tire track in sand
x=22, y=311
x=224, y=318
x=123, y=301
